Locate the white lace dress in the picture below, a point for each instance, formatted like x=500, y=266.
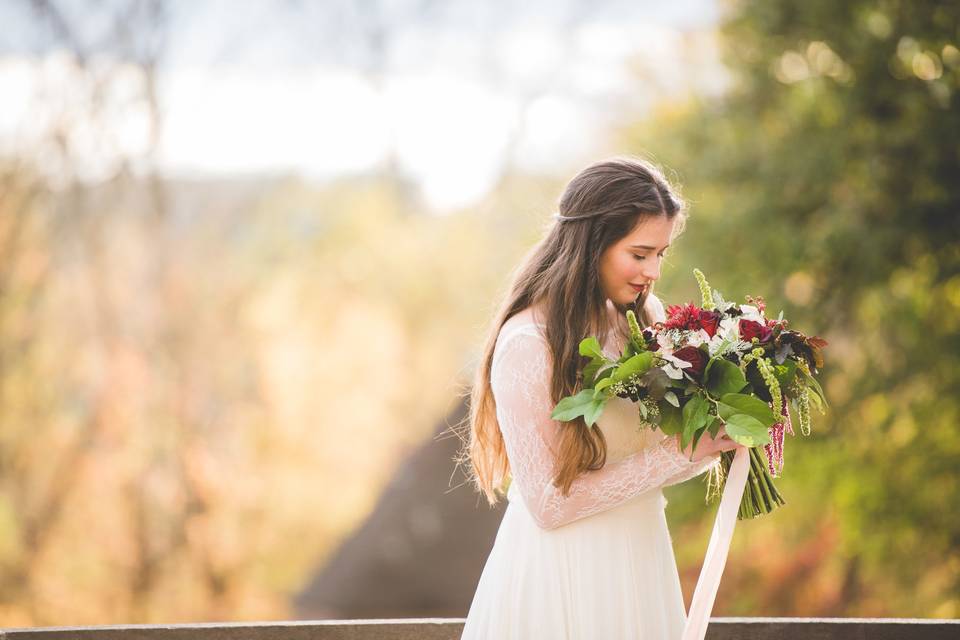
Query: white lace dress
x=599, y=562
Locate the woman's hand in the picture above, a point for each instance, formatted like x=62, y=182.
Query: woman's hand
x=709, y=446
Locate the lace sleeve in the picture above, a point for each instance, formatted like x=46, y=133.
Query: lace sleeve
x=520, y=379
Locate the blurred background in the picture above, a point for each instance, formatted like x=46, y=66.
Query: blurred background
x=249, y=253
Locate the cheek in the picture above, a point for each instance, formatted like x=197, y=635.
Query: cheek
x=628, y=267
x=621, y=267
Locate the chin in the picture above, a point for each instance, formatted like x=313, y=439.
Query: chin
x=625, y=301
x=635, y=298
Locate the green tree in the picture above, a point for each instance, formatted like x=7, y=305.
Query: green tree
x=827, y=177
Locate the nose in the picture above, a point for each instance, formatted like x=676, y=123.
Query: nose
x=651, y=270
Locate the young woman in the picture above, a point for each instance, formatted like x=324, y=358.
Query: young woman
x=583, y=549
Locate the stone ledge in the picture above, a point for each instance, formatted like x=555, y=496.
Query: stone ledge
x=451, y=628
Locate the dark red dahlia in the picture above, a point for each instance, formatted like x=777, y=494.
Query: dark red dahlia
x=692, y=318
x=683, y=316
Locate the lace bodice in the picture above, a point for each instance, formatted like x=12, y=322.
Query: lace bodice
x=638, y=459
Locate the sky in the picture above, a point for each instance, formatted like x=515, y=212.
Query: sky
x=455, y=91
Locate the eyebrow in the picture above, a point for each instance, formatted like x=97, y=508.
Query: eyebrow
x=643, y=246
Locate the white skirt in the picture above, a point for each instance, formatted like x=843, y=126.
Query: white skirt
x=608, y=576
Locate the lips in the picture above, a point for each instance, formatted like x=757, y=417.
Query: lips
x=638, y=287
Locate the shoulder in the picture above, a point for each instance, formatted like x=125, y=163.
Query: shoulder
x=522, y=323
x=521, y=335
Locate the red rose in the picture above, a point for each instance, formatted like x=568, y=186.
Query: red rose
x=750, y=329
x=709, y=321
x=696, y=358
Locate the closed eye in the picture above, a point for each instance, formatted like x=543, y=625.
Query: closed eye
x=644, y=257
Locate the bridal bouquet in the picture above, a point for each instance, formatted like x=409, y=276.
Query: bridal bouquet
x=721, y=364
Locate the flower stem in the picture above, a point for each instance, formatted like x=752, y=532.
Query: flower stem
x=759, y=477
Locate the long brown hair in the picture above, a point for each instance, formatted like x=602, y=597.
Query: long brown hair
x=612, y=196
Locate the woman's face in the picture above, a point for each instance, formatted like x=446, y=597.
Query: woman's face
x=635, y=259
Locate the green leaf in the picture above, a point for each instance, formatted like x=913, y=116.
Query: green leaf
x=813, y=385
x=696, y=438
x=817, y=401
x=671, y=397
x=597, y=370
x=590, y=347
x=590, y=372
x=714, y=427
x=571, y=407
x=603, y=384
x=722, y=377
x=785, y=373
x=594, y=411
x=694, y=416
x=600, y=386
x=656, y=381
x=753, y=406
x=671, y=419
x=639, y=363
x=746, y=430
x=583, y=404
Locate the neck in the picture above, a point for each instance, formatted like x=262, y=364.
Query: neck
x=615, y=315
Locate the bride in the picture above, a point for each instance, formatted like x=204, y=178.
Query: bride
x=583, y=550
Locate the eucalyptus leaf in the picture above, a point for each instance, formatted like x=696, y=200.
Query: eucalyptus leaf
x=656, y=381
x=671, y=397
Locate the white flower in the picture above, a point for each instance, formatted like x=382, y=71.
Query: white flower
x=698, y=337
x=674, y=366
x=715, y=343
x=729, y=329
x=664, y=341
x=751, y=312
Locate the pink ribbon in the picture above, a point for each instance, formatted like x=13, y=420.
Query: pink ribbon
x=716, y=558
